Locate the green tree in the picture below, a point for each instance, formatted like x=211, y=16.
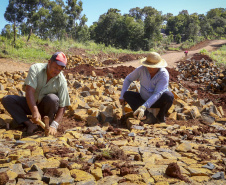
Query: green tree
x=105, y=30
x=205, y=26
x=193, y=27
x=129, y=33
x=7, y=31
x=136, y=13
x=152, y=26
x=92, y=32
x=178, y=38
x=73, y=10
x=215, y=13
x=178, y=24
x=82, y=30
x=40, y=21
x=217, y=20
x=57, y=22
x=15, y=14
x=30, y=7
x=167, y=16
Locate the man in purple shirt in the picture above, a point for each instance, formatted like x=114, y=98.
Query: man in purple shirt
x=154, y=92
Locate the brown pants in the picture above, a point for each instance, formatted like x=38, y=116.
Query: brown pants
x=18, y=108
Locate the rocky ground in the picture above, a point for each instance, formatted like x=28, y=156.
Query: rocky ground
x=96, y=144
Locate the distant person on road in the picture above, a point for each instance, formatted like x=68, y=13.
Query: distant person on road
x=154, y=92
x=46, y=95
x=186, y=53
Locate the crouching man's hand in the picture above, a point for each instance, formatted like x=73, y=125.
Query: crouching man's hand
x=140, y=112
x=53, y=128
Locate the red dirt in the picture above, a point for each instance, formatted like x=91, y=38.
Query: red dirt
x=173, y=170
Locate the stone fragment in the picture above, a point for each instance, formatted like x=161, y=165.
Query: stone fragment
x=18, y=169
x=209, y=166
x=218, y=175
x=107, y=115
x=22, y=181
x=132, y=121
x=97, y=173
x=198, y=171
x=195, y=112
x=200, y=179
x=120, y=142
x=223, y=150
x=92, y=121
x=184, y=147
x=109, y=180
x=33, y=175
x=220, y=120
x=134, y=178
x=173, y=116
x=11, y=174
x=80, y=114
x=94, y=74
x=80, y=175
x=60, y=176
x=146, y=176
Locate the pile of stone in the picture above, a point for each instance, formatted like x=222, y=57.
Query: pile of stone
x=74, y=60
x=205, y=72
x=187, y=106
x=101, y=154
x=96, y=99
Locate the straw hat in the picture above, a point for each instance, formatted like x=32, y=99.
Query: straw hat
x=153, y=60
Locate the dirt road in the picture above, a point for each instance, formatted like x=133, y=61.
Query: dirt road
x=11, y=66
x=171, y=58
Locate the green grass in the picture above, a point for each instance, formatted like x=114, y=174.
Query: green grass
x=174, y=49
x=219, y=55
x=30, y=52
x=38, y=50
x=189, y=43
x=30, y=55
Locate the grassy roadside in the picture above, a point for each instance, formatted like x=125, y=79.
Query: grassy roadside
x=219, y=55
x=38, y=50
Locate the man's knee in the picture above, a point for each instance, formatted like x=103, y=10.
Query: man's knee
x=51, y=98
x=4, y=100
x=8, y=100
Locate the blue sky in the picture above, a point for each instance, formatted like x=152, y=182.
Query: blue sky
x=94, y=8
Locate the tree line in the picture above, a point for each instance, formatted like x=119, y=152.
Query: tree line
x=140, y=29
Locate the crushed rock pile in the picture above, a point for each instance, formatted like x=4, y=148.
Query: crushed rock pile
x=135, y=153
x=75, y=60
x=203, y=70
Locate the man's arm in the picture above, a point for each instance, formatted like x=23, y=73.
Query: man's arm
x=30, y=97
x=59, y=114
x=54, y=125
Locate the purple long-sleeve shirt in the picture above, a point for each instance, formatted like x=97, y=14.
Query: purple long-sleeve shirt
x=151, y=89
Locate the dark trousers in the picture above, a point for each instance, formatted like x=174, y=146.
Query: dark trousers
x=164, y=102
x=18, y=108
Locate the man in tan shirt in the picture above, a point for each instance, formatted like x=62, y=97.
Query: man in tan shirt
x=46, y=95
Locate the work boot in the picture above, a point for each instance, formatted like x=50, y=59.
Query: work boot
x=150, y=119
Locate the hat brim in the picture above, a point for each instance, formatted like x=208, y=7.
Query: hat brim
x=60, y=63
x=160, y=64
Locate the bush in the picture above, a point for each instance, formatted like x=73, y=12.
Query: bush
x=178, y=38
x=203, y=51
x=187, y=44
